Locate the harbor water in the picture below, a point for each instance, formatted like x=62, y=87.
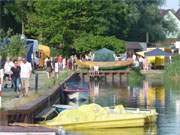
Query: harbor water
x=149, y=94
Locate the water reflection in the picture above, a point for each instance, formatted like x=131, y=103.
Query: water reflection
x=149, y=94
x=151, y=130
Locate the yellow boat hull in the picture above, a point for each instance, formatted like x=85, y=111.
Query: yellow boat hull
x=116, y=123
x=119, y=131
x=104, y=65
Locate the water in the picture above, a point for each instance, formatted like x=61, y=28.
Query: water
x=148, y=94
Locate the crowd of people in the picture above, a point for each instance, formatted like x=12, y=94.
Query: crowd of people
x=18, y=71
x=54, y=65
x=16, y=74
x=141, y=62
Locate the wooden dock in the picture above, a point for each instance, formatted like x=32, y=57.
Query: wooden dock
x=104, y=74
x=27, y=112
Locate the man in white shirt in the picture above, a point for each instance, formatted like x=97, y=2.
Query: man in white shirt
x=25, y=74
x=7, y=71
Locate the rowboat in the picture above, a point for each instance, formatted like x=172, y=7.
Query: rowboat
x=94, y=116
x=112, y=65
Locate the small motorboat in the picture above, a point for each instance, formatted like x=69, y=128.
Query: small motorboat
x=94, y=116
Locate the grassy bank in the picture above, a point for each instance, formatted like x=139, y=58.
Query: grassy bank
x=172, y=70
x=135, y=77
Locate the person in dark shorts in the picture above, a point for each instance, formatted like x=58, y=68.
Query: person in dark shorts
x=16, y=77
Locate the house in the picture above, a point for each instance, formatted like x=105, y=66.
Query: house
x=172, y=15
x=178, y=14
x=136, y=46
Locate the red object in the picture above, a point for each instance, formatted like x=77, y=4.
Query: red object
x=0, y=93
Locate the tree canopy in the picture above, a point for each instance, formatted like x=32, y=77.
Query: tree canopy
x=62, y=23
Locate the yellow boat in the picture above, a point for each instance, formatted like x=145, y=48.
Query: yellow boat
x=93, y=116
x=150, y=115
x=105, y=65
x=150, y=130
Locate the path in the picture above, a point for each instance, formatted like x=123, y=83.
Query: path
x=9, y=99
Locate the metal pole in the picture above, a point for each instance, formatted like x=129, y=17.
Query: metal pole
x=36, y=81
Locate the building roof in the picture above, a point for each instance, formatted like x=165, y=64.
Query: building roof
x=134, y=45
x=178, y=13
x=163, y=12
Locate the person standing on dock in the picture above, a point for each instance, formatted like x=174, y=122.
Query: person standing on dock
x=7, y=72
x=16, y=77
x=56, y=68
x=25, y=74
x=1, y=72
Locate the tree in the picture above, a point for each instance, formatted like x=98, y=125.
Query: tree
x=15, y=47
x=59, y=23
x=149, y=21
x=88, y=42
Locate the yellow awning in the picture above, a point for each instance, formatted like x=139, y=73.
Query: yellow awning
x=45, y=49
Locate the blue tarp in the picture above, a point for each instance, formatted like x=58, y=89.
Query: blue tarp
x=31, y=46
x=157, y=52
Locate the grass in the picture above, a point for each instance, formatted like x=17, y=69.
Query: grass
x=172, y=70
x=135, y=77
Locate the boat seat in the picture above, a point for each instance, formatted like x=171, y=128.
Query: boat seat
x=46, y=114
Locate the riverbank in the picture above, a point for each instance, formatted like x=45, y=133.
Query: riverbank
x=45, y=87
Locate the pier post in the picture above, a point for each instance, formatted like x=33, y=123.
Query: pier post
x=120, y=78
x=127, y=77
x=36, y=81
x=112, y=77
x=105, y=78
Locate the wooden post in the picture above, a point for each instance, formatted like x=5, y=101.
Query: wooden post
x=127, y=77
x=105, y=78
x=112, y=77
x=120, y=78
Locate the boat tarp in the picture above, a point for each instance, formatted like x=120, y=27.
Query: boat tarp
x=104, y=54
x=91, y=112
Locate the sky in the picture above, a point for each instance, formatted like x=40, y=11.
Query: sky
x=172, y=4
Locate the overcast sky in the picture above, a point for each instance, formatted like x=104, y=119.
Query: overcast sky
x=172, y=4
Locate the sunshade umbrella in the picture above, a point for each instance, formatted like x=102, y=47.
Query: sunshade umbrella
x=157, y=52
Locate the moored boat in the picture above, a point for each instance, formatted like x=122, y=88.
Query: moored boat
x=112, y=65
x=94, y=116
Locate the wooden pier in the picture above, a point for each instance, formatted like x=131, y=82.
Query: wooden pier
x=101, y=74
x=26, y=113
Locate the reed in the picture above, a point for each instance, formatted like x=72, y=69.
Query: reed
x=172, y=70
x=135, y=77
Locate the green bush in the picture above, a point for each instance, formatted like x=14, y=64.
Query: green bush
x=135, y=77
x=89, y=42
x=172, y=70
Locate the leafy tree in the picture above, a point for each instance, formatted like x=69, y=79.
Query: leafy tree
x=61, y=23
x=149, y=21
x=88, y=42
x=15, y=47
